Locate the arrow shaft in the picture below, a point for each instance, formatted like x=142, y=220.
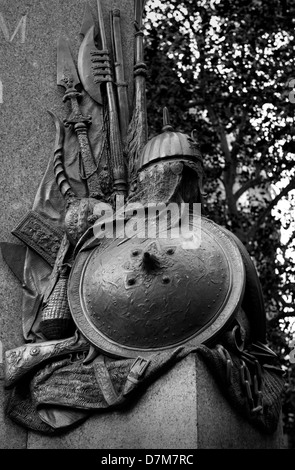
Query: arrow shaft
x=116, y=149
x=120, y=185
x=120, y=75
x=101, y=26
x=138, y=129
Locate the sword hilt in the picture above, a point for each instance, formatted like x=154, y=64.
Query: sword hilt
x=76, y=117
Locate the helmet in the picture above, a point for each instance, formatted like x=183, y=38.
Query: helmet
x=169, y=145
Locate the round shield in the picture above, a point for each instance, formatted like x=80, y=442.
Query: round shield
x=134, y=296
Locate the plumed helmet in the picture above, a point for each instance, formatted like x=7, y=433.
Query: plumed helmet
x=169, y=145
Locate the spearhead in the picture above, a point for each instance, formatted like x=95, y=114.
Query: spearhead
x=138, y=12
x=87, y=21
x=67, y=75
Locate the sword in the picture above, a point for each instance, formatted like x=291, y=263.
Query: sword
x=67, y=77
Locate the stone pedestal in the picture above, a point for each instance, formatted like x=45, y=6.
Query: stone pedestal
x=184, y=409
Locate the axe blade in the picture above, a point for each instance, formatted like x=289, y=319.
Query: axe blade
x=85, y=65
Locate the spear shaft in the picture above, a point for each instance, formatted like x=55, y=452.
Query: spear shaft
x=120, y=186
x=119, y=71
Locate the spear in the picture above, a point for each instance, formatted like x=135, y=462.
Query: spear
x=95, y=70
x=101, y=68
x=67, y=77
x=119, y=71
x=138, y=128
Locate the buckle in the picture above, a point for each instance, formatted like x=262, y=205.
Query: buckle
x=137, y=369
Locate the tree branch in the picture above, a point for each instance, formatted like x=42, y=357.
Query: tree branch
x=220, y=129
x=230, y=169
x=290, y=285
x=249, y=184
x=236, y=145
x=269, y=208
x=281, y=316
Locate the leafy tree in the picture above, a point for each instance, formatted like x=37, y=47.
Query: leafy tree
x=224, y=68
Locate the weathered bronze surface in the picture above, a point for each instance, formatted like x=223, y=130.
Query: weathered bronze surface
x=169, y=145
x=67, y=77
x=135, y=296
x=138, y=128
x=24, y=359
x=39, y=235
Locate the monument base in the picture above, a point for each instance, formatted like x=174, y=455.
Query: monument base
x=184, y=409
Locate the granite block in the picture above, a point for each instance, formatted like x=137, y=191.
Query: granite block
x=220, y=426
x=164, y=417
x=183, y=409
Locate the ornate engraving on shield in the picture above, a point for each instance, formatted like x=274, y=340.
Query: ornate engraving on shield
x=142, y=295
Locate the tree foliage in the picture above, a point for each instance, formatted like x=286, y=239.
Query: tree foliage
x=224, y=68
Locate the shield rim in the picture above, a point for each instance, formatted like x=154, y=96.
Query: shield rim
x=204, y=336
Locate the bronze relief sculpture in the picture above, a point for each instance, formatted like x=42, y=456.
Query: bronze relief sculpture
x=103, y=316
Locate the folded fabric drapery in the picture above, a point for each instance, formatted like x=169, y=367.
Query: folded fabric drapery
x=66, y=391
